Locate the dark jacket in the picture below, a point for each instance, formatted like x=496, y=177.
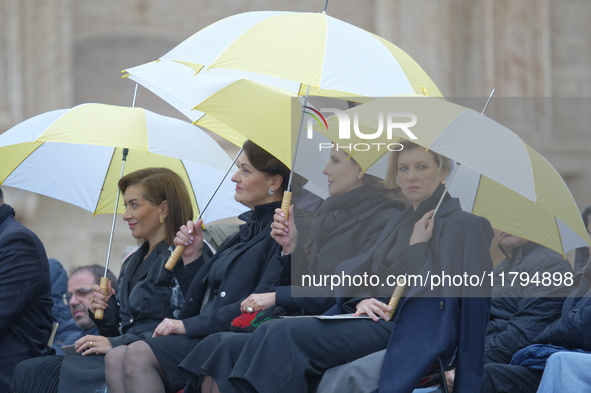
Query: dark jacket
x=60, y=311
x=444, y=321
x=249, y=268
x=25, y=297
x=146, y=293
x=519, y=313
x=573, y=329
x=346, y=225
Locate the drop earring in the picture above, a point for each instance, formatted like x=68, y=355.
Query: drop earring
x=161, y=220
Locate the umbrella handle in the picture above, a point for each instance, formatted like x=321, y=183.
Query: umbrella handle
x=104, y=284
x=174, y=257
x=285, y=204
x=395, y=299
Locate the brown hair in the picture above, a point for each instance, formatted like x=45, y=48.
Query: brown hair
x=442, y=162
x=263, y=161
x=159, y=185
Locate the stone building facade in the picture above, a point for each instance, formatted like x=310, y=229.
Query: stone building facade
x=535, y=53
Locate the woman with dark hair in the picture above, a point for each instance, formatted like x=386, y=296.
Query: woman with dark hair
x=347, y=224
x=290, y=355
x=157, y=203
x=213, y=289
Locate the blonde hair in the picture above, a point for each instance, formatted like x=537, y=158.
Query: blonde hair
x=442, y=162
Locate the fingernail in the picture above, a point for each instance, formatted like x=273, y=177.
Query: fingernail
x=282, y=214
x=191, y=238
x=186, y=244
x=190, y=231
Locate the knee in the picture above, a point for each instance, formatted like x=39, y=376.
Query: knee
x=137, y=356
x=114, y=358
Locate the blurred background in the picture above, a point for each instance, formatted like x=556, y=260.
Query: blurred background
x=59, y=53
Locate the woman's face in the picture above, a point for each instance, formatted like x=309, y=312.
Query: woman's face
x=418, y=174
x=252, y=185
x=343, y=174
x=142, y=217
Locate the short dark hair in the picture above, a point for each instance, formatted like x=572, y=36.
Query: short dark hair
x=97, y=271
x=1, y=194
x=264, y=161
x=159, y=185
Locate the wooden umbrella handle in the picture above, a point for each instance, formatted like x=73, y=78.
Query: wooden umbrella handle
x=174, y=257
x=285, y=203
x=395, y=298
x=104, y=284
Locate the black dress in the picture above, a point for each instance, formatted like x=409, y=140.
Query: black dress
x=213, y=290
x=345, y=226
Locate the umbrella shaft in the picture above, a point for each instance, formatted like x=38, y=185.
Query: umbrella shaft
x=298, y=140
x=220, y=184
x=125, y=152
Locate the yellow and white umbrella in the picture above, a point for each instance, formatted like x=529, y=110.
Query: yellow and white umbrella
x=282, y=54
x=75, y=155
x=500, y=176
x=313, y=49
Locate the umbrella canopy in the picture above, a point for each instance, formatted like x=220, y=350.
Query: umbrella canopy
x=75, y=155
x=238, y=76
x=500, y=178
x=309, y=48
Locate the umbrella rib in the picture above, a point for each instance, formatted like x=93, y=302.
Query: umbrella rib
x=103, y=185
x=23, y=160
x=191, y=183
x=559, y=237
x=477, y=188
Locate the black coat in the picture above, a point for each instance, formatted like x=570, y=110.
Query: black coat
x=25, y=297
x=146, y=293
x=444, y=321
x=250, y=269
x=573, y=329
x=346, y=225
x=520, y=313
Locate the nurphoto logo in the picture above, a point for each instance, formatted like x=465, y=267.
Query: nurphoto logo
x=381, y=138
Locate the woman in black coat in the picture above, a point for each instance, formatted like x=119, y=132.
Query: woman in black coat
x=290, y=355
x=214, y=289
x=347, y=224
x=157, y=202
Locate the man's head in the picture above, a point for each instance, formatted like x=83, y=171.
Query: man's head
x=508, y=242
x=80, y=291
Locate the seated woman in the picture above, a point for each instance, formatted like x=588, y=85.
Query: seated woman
x=347, y=224
x=214, y=289
x=157, y=203
x=290, y=355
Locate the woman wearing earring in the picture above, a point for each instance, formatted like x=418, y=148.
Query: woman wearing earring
x=347, y=224
x=156, y=204
x=213, y=289
x=290, y=355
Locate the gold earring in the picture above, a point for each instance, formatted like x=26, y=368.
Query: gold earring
x=161, y=220
x=442, y=181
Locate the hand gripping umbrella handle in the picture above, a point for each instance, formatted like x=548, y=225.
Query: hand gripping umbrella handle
x=285, y=203
x=104, y=284
x=174, y=257
x=395, y=298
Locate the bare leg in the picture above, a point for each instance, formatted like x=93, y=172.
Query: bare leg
x=143, y=373
x=114, y=369
x=209, y=385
